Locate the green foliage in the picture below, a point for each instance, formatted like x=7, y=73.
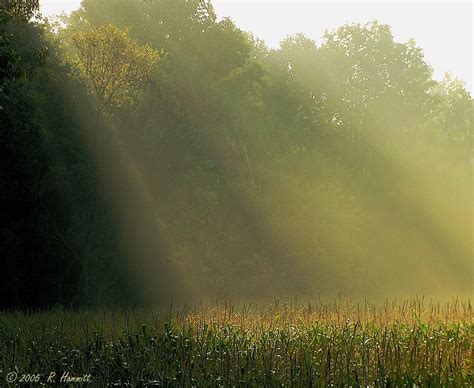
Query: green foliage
x=113, y=65
x=324, y=344
x=240, y=170
x=19, y=10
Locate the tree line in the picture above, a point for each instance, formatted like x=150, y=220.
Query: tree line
x=151, y=151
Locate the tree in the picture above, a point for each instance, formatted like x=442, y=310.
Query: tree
x=20, y=10
x=113, y=65
x=114, y=68
x=35, y=128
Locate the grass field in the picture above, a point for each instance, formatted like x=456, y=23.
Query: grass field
x=412, y=343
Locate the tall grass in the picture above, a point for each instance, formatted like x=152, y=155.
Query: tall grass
x=413, y=342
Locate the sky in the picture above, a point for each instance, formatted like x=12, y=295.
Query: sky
x=442, y=29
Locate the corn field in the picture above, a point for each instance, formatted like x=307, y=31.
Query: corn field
x=340, y=343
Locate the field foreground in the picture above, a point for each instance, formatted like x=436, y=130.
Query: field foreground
x=340, y=343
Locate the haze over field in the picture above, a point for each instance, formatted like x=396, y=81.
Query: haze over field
x=185, y=205
x=157, y=151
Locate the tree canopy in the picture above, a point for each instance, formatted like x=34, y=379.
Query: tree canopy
x=231, y=169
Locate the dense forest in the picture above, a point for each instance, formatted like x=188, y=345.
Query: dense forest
x=151, y=151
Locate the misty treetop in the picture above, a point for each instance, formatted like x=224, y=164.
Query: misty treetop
x=150, y=150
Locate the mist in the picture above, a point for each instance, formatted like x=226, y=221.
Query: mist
x=176, y=157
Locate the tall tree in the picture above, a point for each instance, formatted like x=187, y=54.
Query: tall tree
x=114, y=68
x=113, y=65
